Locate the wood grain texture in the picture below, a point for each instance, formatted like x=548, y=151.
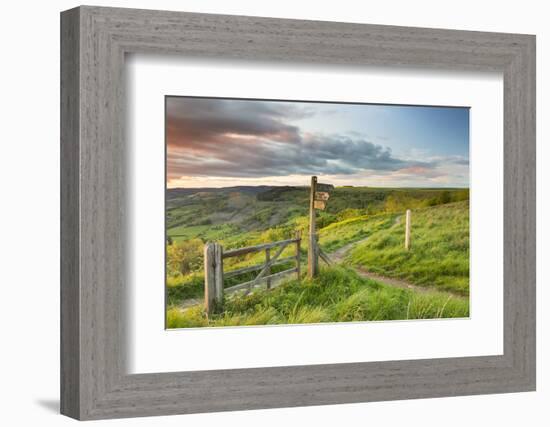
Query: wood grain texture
x=95, y=238
x=298, y=249
x=257, y=248
x=242, y=270
x=312, y=258
x=209, y=277
x=268, y=271
x=219, y=273
x=70, y=292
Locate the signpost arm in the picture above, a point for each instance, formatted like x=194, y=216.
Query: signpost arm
x=312, y=260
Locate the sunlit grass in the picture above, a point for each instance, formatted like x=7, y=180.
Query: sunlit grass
x=370, y=220
x=439, y=253
x=337, y=295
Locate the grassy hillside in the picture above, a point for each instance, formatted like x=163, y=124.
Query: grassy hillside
x=365, y=223
x=341, y=233
x=216, y=214
x=439, y=254
x=337, y=295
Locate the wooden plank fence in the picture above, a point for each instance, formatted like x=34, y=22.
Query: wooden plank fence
x=214, y=275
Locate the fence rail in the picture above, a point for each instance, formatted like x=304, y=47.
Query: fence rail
x=257, y=248
x=214, y=275
x=248, y=285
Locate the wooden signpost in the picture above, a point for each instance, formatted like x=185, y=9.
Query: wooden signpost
x=319, y=195
x=319, y=204
x=324, y=187
x=322, y=195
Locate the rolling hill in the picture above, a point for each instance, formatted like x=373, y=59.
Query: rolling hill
x=362, y=227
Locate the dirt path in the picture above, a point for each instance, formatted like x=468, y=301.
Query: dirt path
x=396, y=283
x=339, y=255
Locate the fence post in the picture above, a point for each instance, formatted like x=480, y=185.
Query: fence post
x=408, y=229
x=317, y=251
x=268, y=271
x=218, y=249
x=209, y=277
x=298, y=237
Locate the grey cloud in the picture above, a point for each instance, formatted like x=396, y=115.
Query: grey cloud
x=196, y=120
x=212, y=137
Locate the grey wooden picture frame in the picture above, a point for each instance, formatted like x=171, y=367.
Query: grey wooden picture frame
x=94, y=42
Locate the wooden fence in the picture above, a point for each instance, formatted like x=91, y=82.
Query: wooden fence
x=214, y=275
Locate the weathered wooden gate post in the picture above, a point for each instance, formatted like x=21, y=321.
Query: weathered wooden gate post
x=213, y=277
x=209, y=278
x=312, y=259
x=268, y=270
x=408, y=229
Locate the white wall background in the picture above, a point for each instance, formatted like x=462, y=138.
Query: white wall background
x=29, y=224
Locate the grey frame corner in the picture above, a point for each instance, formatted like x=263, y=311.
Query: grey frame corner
x=94, y=41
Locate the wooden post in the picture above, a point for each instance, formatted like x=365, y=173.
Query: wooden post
x=218, y=269
x=268, y=271
x=298, y=243
x=318, y=251
x=408, y=229
x=209, y=278
x=312, y=260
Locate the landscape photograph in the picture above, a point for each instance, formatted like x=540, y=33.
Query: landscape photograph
x=283, y=212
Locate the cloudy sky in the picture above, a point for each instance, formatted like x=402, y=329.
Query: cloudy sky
x=224, y=142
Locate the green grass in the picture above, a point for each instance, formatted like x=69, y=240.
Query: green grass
x=439, y=254
x=180, y=288
x=337, y=295
x=371, y=219
x=205, y=232
x=341, y=233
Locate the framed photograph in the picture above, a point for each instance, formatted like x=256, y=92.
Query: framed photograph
x=261, y=213
x=243, y=187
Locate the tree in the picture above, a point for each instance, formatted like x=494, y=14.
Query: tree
x=184, y=257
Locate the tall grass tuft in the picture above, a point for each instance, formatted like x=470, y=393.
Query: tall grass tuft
x=338, y=294
x=439, y=254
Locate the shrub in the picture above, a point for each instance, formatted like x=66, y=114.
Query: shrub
x=184, y=257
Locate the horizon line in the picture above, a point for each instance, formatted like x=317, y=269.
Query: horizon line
x=307, y=186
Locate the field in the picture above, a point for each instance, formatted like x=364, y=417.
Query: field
x=372, y=276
